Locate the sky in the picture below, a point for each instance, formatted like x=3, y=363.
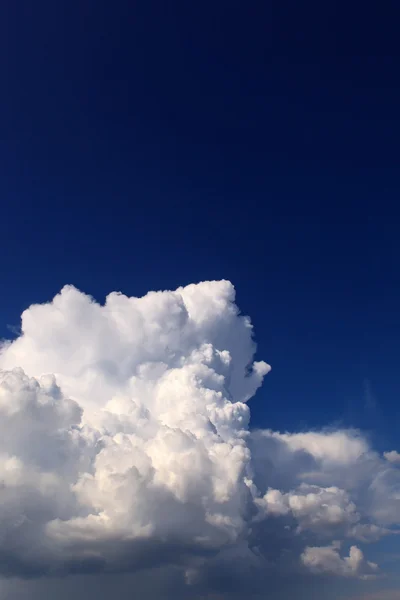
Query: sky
x=174, y=148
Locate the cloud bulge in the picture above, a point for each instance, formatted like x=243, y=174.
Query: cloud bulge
x=125, y=445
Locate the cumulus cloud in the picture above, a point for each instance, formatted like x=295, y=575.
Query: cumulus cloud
x=392, y=457
x=125, y=445
x=315, y=508
x=327, y=559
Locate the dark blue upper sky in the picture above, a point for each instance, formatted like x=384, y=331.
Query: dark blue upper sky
x=145, y=145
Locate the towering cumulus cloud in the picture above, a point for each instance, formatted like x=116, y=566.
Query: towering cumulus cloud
x=125, y=445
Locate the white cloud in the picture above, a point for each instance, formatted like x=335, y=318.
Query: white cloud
x=326, y=559
x=124, y=444
x=392, y=457
x=335, y=447
x=315, y=508
x=151, y=448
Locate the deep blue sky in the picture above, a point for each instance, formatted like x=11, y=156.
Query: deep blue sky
x=145, y=145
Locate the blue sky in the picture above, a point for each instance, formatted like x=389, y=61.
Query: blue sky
x=148, y=146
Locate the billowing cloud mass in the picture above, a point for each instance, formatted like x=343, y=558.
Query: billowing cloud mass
x=125, y=446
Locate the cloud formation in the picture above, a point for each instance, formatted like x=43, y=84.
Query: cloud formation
x=392, y=457
x=125, y=445
x=328, y=560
